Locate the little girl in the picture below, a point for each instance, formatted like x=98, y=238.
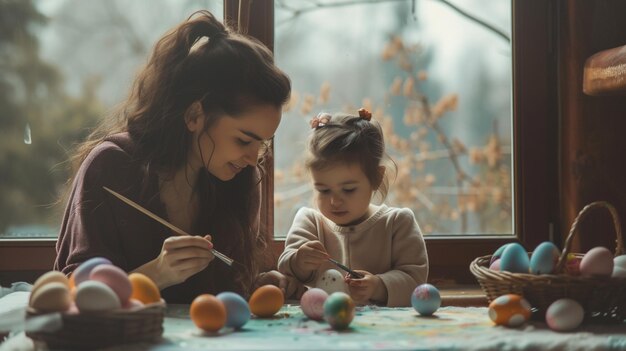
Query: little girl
x=384, y=244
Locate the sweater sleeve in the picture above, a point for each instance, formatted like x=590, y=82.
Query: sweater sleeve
x=409, y=260
x=89, y=228
x=302, y=230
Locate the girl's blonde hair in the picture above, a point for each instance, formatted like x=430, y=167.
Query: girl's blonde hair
x=349, y=139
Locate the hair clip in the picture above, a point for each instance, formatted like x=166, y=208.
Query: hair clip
x=365, y=114
x=320, y=120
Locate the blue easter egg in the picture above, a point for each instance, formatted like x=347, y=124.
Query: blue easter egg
x=543, y=260
x=514, y=259
x=237, y=309
x=426, y=299
x=498, y=253
x=83, y=271
x=339, y=310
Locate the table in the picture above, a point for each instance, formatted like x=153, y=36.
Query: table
x=378, y=328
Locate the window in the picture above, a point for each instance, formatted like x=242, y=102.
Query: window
x=436, y=77
x=59, y=109
x=533, y=127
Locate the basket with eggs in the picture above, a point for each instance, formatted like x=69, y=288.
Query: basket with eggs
x=596, y=279
x=99, y=305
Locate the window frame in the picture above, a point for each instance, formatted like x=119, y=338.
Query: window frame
x=535, y=153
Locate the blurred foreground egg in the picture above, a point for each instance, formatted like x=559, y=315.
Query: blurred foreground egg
x=339, y=310
x=597, y=262
x=564, y=315
x=312, y=303
x=51, y=297
x=144, y=289
x=426, y=299
x=115, y=278
x=266, y=301
x=49, y=277
x=208, y=313
x=82, y=272
x=95, y=296
x=237, y=310
x=509, y=310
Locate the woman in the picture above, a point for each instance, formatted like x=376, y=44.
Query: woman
x=185, y=145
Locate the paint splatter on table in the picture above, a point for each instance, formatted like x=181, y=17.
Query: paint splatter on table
x=377, y=328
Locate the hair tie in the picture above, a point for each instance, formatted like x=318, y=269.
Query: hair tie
x=365, y=114
x=320, y=120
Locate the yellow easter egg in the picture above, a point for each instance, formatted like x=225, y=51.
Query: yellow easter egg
x=266, y=301
x=144, y=289
x=51, y=297
x=49, y=277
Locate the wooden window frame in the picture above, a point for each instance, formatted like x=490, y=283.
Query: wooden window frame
x=536, y=172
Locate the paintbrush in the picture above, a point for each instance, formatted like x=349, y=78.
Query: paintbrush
x=221, y=256
x=352, y=273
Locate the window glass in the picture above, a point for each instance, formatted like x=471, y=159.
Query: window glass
x=64, y=64
x=436, y=76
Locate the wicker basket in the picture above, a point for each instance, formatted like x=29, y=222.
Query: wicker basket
x=603, y=299
x=99, y=330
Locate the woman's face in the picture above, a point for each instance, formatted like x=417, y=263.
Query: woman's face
x=232, y=143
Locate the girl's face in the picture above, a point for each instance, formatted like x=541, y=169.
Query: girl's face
x=343, y=193
x=233, y=143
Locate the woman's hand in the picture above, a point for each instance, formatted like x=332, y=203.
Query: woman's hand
x=180, y=258
x=309, y=257
x=363, y=290
x=290, y=287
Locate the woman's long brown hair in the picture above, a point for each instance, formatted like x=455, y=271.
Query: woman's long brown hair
x=228, y=73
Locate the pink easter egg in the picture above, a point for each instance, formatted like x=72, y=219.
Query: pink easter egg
x=115, y=278
x=312, y=303
x=597, y=262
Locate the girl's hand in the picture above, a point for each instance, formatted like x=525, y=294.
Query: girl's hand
x=309, y=257
x=362, y=290
x=180, y=258
x=290, y=287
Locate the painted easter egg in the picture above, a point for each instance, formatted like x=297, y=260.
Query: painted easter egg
x=564, y=315
x=51, y=297
x=144, y=289
x=82, y=272
x=339, y=310
x=208, y=313
x=312, y=303
x=95, y=296
x=509, y=310
x=49, y=277
x=572, y=264
x=514, y=259
x=495, y=265
x=544, y=259
x=619, y=267
x=266, y=301
x=597, y=262
x=237, y=309
x=426, y=299
x=115, y=278
x=498, y=253
x=331, y=281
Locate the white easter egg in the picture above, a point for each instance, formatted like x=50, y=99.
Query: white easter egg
x=564, y=315
x=95, y=296
x=618, y=272
x=620, y=261
x=331, y=281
